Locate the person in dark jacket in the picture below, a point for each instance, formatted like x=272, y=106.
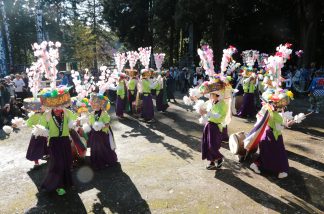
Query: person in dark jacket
x=170, y=87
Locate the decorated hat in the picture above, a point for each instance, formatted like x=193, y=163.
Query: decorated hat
x=152, y=72
x=131, y=72
x=80, y=106
x=278, y=97
x=54, y=98
x=99, y=101
x=213, y=86
x=145, y=73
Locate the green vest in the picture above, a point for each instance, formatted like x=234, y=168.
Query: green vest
x=220, y=108
x=248, y=87
x=121, y=89
x=275, y=118
x=146, y=87
x=104, y=118
x=48, y=122
x=34, y=120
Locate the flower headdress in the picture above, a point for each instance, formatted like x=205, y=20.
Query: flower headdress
x=227, y=58
x=144, y=56
x=159, y=58
x=207, y=59
x=99, y=101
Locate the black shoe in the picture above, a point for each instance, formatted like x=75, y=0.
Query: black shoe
x=211, y=166
x=219, y=163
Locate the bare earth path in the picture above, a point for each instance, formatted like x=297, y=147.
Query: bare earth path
x=161, y=171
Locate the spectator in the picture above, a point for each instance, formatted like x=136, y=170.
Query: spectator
x=4, y=105
x=19, y=86
x=170, y=87
x=183, y=80
x=64, y=78
x=10, y=86
x=316, y=92
x=176, y=78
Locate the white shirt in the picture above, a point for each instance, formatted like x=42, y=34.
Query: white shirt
x=19, y=85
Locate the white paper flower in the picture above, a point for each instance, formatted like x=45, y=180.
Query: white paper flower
x=40, y=131
x=86, y=128
x=97, y=126
x=299, y=118
x=187, y=101
x=199, y=105
x=18, y=122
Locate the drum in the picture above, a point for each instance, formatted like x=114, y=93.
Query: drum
x=236, y=144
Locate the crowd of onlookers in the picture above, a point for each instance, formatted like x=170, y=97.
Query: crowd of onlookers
x=13, y=89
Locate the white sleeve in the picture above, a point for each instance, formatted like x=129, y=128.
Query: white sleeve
x=112, y=87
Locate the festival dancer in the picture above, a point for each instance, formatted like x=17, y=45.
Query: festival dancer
x=273, y=157
x=58, y=120
x=248, y=107
x=101, y=138
x=37, y=148
x=121, y=95
x=161, y=93
x=131, y=87
x=145, y=93
x=215, y=112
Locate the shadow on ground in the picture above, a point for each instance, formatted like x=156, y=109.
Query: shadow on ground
x=116, y=192
x=294, y=184
x=147, y=131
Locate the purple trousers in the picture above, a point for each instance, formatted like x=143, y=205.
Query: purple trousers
x=211, y=142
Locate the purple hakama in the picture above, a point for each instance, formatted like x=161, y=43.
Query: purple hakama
x=159, y=102
x=273, y=156
x=120, y=106
x=211, y=142
x=37, y=148
x=248, y=106
x=101, y=154
x=148, y=110
x=60, y=163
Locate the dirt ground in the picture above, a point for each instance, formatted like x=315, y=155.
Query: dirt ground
x=161, y=171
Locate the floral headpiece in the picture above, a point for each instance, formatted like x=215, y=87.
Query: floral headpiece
x=53, y=98
x=99, y=101
x=80, y=106
x=278, y=97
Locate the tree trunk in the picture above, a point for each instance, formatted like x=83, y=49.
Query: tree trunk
x=309, y=13
x=3, y=60
x=6, y=29
x=171, y=43
x=218, y=29
x=177, y=46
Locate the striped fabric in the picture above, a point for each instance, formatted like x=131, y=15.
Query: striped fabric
x=253, y=138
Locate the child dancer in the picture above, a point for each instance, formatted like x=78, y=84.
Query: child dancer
x=37, y=148
x=101, y=139
x=215, y=112
x=59, y=175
